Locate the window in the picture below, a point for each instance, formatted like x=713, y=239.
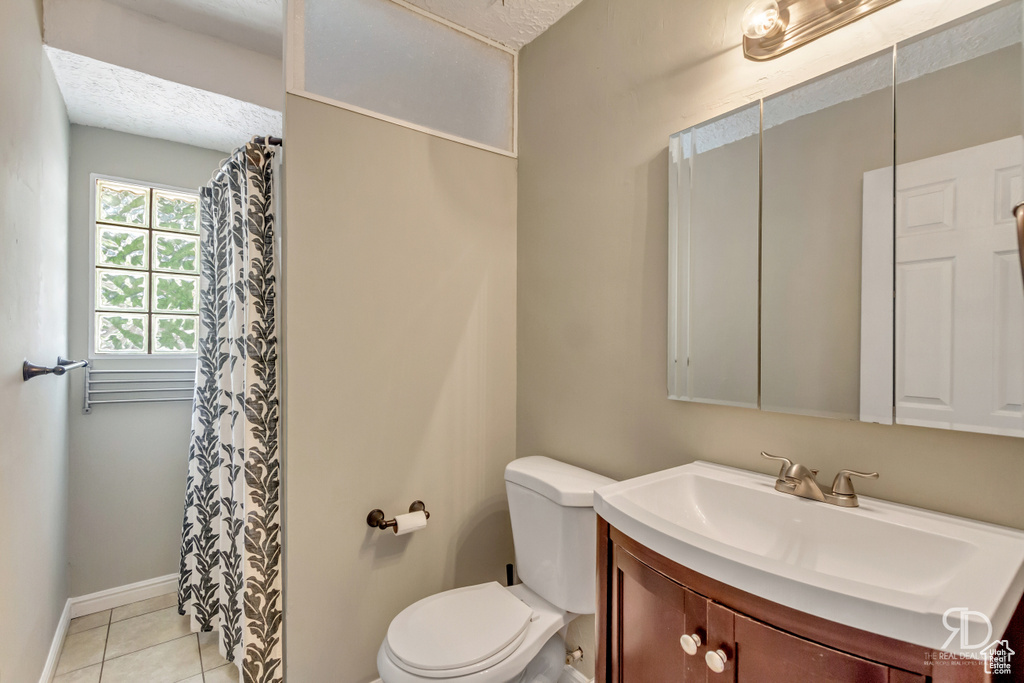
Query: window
x=145, y=269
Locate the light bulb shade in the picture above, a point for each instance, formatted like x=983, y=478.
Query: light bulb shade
x=761, y=19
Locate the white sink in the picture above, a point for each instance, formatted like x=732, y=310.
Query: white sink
x=883, y=567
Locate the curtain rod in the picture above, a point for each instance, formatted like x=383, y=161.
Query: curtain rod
x=270, y=140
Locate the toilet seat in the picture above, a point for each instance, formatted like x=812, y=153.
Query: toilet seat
x=458, y=632
x=505, y=666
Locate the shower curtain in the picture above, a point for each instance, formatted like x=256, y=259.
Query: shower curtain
x=230, y=573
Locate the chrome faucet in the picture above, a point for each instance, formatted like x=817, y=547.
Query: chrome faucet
x=797, y=480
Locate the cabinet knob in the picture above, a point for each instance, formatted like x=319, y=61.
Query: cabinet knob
x=716, y=660
x=690, y=643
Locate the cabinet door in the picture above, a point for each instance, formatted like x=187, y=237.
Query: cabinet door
x=767, y=654
x=649, y=614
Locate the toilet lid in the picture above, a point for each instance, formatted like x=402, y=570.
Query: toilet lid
x=458, y=628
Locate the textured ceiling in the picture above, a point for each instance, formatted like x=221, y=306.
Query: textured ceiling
x=510, y=22
x=253, y=24
x=257, y=24
x=107, y=96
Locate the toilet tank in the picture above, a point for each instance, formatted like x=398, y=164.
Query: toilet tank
x=554, y=529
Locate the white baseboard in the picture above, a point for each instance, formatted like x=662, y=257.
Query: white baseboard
x=97, y=602
x=58, y=641
x=123, y=595
x=573, y=675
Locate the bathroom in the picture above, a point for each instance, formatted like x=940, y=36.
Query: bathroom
x=446, y=309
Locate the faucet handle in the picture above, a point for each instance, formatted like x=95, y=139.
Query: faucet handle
x=842, y=486
x=786, y=463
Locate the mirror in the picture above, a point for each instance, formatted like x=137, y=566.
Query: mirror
x=714, y=260
x=810, y=287
x=818, y=140
x=959, y=327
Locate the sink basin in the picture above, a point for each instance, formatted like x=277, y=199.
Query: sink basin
x=885, y=568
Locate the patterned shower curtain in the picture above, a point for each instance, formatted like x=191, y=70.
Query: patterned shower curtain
x=230, y=575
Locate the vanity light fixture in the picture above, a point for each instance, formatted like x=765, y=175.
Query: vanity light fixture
x=774, y=27
x=761, y=19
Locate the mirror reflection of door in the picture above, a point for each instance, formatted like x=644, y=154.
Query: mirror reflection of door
x=959, y=300
x=958, y=333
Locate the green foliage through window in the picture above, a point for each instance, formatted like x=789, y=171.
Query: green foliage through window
x=124, y=247
x=145, y=229
x=121, y=333
x=176, y=334
x=176, y=294
x=174, y=253
x=122, y=204
x=122, y=290
x=176, y=212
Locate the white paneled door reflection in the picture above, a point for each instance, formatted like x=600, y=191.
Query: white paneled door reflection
x=959, y=333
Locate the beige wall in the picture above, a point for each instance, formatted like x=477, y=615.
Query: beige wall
x=400, y=332
x=127, y=462
x=812, y=210
x=723, y=272
x=986, y=108
x=33, y=326
x=600, y=93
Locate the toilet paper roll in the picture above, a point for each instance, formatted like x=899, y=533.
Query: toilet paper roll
x=410, y=522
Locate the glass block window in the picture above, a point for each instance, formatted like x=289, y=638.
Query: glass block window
x=146, y=270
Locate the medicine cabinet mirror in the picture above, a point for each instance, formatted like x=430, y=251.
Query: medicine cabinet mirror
x=846, y=248
x=714, y=260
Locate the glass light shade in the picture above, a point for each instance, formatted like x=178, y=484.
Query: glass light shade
x=761, y=19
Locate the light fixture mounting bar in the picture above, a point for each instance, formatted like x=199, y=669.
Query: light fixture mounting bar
x=805, y=20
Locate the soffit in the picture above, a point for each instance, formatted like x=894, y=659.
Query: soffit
x=108, y=96
x=253, y=24
x=257, y=24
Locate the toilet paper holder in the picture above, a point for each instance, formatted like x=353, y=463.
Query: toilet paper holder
x=376, y=517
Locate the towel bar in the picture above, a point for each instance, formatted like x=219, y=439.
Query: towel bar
x=136, y=385
x=30, y=370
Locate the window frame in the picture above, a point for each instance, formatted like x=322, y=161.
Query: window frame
x=92, y=265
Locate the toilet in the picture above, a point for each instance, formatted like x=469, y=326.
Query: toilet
x=490, y=633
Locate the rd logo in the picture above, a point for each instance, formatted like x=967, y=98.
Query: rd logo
x=958, y=622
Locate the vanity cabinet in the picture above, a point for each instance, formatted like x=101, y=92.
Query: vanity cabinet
x=647, y=603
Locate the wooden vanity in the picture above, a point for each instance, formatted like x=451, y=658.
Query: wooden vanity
x=646, y=603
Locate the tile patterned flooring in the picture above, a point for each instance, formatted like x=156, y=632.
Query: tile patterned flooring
x=144, y=642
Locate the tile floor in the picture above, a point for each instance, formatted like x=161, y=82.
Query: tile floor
x=144, y=642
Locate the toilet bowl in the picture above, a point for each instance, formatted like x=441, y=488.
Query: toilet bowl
x=479, y=634
x=489, y=633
